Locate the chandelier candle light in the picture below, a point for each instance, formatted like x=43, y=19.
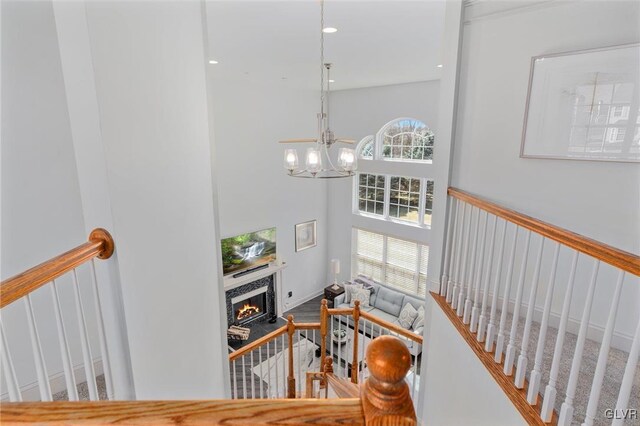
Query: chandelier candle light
x=314, y=168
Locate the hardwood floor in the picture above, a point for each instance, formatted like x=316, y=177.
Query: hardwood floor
x=307, y=312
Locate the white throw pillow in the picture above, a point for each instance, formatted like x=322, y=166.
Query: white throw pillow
x=361, y=294
x=348, y=290
x=407, y=316
x=419, y=321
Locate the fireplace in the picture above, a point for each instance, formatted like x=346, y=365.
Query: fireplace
x=252, y=302
x=249, y=307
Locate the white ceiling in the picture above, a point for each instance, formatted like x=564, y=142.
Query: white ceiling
x=377, y=43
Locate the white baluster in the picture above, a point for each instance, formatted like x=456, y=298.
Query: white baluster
x=536, y=373
x=454, y=244
x=262, y=381
x=511, y=347
x=521, y=369
x=284, y=367
x=235, y=383
x=466, y=312
x=106, y=362
x=550, y=391
x=465, y=260
x=447, y=255
x=603, y=355
x=482, y=319
x=461, y=258
x=413, y=377
x=464, y=309
x=253, y=381
x=451, y=293
x=69, y=377
x=299, y=379
x=84, y=342
x=505, y=298
x=270, y=388
x=244, y=379
x=7, y=368
x=476, y=297
x=491, y=328
x=41, y=369
x=453, y=269
x=627, y=378
x=566, y=411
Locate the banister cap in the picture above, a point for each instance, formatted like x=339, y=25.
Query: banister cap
x=388, y=359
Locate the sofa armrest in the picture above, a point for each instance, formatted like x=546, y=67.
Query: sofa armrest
x=338, y=300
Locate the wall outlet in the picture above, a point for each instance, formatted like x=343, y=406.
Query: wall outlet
x=290, y=294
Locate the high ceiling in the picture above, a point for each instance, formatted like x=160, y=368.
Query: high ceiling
x=377, y=43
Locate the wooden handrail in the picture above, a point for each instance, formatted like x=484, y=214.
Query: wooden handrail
x=261, y=341
x=100, y=245
x=342, y=387
x=393, y=327
x=619, y=258
x=212, y=412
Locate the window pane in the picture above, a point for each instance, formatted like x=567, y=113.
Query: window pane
x=370, y=193
x=404, y=266
x=407, y=139
x=404, y=198
x=428, y=203
x=369, y=248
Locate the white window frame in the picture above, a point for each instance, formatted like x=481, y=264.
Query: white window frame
x=379, y=140
x=387, y=195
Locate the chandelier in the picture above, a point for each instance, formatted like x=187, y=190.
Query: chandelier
x=318, y=162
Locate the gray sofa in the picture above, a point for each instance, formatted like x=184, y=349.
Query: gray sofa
x=386, y=304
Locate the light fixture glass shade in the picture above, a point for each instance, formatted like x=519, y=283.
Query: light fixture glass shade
x=314, y=160
x=291, y=159
x=347, y=159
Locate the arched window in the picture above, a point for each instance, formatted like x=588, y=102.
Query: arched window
x=365, y=148
x=406, y=139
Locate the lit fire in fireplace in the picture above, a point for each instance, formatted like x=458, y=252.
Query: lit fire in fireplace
x=246, y=311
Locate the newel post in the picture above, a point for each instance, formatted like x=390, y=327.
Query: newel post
x=385, y=395
x=291, y=379
x=356, y=327
x=324, y=319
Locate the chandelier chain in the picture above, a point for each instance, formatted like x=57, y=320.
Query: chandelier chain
x=321, y=136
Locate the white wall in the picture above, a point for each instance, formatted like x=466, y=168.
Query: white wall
x=254, y=190
x=600, y=200
x=460, y=390
x=149, y=67
x=358, y=113
x=596, y=199
x=41, y=204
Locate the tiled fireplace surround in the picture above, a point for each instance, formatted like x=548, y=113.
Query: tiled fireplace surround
x=264, y=282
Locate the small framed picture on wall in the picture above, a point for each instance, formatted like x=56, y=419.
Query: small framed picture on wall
x=306, y=235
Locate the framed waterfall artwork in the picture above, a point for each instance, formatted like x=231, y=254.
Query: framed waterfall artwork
x=306, y=234
x=584, y=105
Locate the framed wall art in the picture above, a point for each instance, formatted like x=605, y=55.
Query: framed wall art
x=584, y=105
x=306, y=235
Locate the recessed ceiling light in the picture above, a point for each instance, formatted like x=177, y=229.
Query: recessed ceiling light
x=332, y=81
x=440, y=66
x=212, y=62
x=329, y=30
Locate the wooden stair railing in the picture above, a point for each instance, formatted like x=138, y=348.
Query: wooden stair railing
x=477, y=293
x=283, y=340
x=384, y=400
x=20, y=287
